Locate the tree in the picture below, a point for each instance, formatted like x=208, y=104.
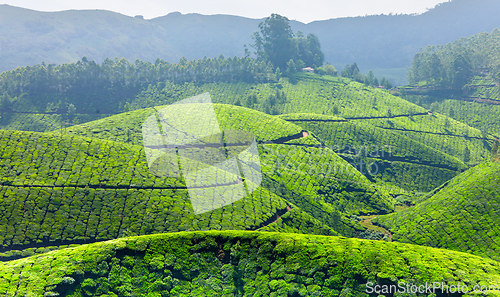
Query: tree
x=370, y=77
x=290, y=67
x=495, y=151
x=435, y=67
x=274, y=42
x=330, y=70
x=277, y=73
x=71, y=109
x=386, y=83
x=237, y=102
x=320, y=71
x=461, y=72
x=350, y=71
x=309, y=50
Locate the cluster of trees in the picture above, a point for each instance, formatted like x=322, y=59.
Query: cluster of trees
x=276, y=43
x=453, y=65
x=93, y=87
x=428, y=66
x=352, y=71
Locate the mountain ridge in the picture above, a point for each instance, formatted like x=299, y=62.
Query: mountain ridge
x=365, y=40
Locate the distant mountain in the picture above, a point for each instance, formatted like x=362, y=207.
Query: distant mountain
x=380, y=42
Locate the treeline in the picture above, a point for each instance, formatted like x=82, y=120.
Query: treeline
x=454, y=64
x=89, y=87
x=352, y=72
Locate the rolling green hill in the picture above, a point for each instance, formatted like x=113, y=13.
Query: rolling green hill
x=127, y=127
x=410, y=126
x=463, y=215
x=385, y=155
x=63, y=189
x=235, y=263
x=60, y=189
x=320, y=171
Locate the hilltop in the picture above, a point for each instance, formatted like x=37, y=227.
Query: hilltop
x=239, y=264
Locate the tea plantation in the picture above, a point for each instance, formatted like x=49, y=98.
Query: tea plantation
x=463, y=215
x=83, y=213
x=235, y=263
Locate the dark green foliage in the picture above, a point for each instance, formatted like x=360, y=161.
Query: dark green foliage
x=453, y=65
x=275, y=43
x=238, y=264
x=463, y=215
x=91, y=88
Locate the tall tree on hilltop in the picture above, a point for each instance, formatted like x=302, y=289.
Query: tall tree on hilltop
x=462, y=72
x=309, y=49
x=275, y=43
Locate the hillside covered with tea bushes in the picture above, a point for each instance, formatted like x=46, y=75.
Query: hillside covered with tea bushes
x=463, y=215
x=58, y=188
x=85, y=209
x=235, y=263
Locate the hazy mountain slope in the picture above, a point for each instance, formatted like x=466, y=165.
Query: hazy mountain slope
x=238, y=264
x=28, y=37
x=463, y=215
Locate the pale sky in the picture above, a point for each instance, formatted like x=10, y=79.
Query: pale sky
x=301, y=10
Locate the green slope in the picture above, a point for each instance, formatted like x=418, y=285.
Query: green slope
x=127, y=127
x=320, y=171
x=66, y=189
x=478, y=115
x=59, y=189
x=463, y=215
x=236, y=263
x=308, y=93
x=394, y=158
